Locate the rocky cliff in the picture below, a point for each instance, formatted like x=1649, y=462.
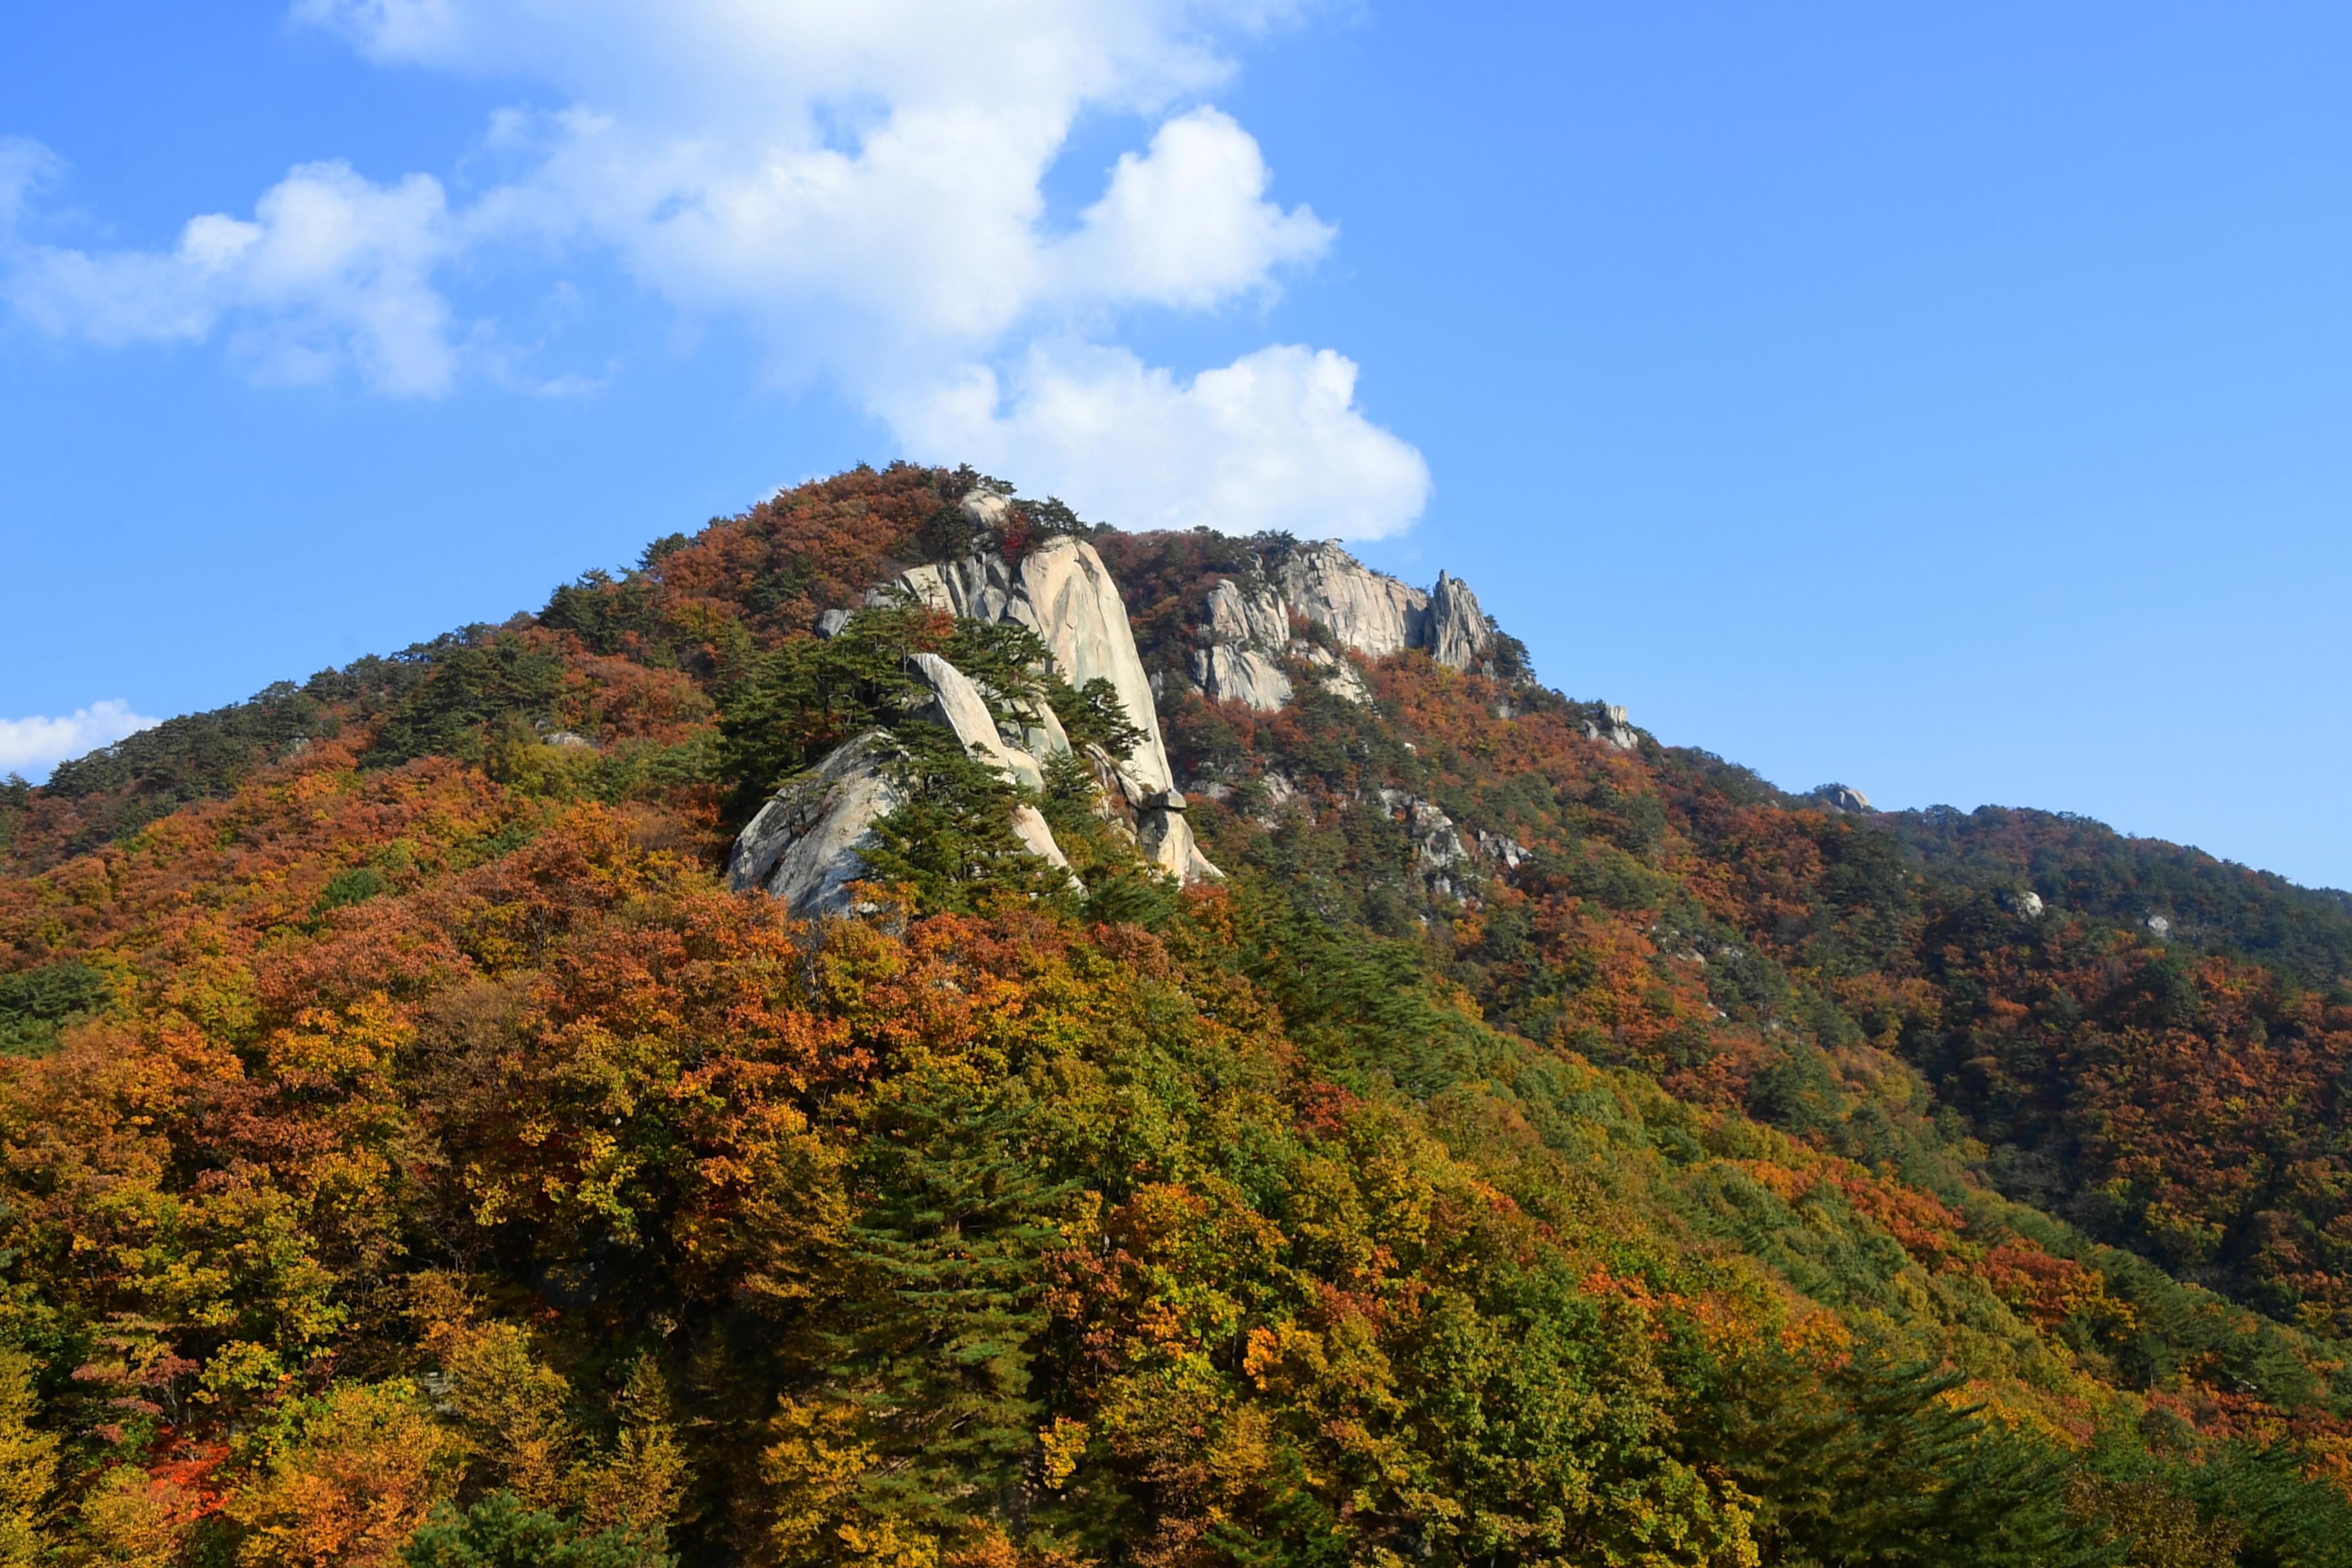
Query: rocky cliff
x=1244, y=639
x=805, y=846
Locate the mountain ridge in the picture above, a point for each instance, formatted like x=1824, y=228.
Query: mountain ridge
x=1543, y=1145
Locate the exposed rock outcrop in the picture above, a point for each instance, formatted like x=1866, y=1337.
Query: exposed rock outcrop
x=1508, y=853
x=1840, y=798
x=1245, y=636
x=956, y=706
x=807, y=845
x=1365, y=610
x=1242, y=675
x=1253, y=615
x=1455, y=632
x=1377, y=615
x=803, y=848
x=1612, y=728
x=1437, y=847
x=1062, y=591
x=1245, y=629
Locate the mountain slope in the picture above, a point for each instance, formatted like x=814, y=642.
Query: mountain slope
x=1541, y=1145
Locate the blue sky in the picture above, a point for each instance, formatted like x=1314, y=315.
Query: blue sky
x=1950, y=403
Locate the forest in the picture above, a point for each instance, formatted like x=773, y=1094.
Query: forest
x=413, y=1153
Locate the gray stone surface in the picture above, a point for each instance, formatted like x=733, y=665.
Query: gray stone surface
x=1614, y=731
x=956, y=706
x=1506, y=852
x=1455, y=631
x=1244, y=630
x=1253, y=615
x=803, y=848
x=1366, y=610
x=1374, y=614
x=1842, y=799
x=1247, y=675
x=806, y=845
x=1064, y=592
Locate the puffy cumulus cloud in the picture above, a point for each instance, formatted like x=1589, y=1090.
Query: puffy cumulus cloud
x=1187, y=223
x=30, y=747
x=1273, y=440
x=330, y=270
x=862, y=186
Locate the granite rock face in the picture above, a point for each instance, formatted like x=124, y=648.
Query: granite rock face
x=1244, y=641
x=1365, y=610
x=807, y=845
x=803, y=848
x=1613, y=729
x=1377, y=615
x=1454, y=631
x=1242, y=675
x=1253, y=615
x=1839, y=798
x=1244, y=630
x=956, y=706
x=1064, y=592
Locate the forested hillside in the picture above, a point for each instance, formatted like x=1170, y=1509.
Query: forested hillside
x=1537, y=1146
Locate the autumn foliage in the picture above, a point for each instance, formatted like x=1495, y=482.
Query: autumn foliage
x=411, y=1152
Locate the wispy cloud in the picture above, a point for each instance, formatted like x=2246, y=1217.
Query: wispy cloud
x=860, y=187
x=32, y=746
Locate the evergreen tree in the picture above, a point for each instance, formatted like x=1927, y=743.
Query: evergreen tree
x=956, y=1214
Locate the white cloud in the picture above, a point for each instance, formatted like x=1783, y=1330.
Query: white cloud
x=26, y=166
x=1188, y=223
x=331, y=269
x=861, y=186
x=1273, y=440
x=31, y=746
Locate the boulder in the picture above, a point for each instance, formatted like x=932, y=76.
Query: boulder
x=1167, y=839
x=986, y=505
x=1839, y=798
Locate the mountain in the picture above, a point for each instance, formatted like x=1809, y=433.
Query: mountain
x=909, y=1029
